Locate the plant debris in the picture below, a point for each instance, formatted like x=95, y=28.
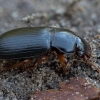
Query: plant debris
x=75, y=89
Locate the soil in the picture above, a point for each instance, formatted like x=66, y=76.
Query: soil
x=80, y=16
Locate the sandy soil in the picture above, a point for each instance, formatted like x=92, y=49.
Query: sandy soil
x=80, y=16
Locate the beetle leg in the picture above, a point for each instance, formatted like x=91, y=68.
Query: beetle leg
x=63, y=61
x=25, y=62
x=38, y=62
x=91, y=63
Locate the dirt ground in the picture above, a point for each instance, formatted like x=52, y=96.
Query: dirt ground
x=80, y=16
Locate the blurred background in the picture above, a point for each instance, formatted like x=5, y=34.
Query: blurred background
x=81, y=16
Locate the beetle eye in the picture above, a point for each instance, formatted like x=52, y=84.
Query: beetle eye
x=80, y=53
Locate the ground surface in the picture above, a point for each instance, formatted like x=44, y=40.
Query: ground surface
x=81, y=16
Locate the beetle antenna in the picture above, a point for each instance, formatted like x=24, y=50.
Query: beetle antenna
x=92, y=65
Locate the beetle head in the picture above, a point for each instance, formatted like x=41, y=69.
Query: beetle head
x=82, y=48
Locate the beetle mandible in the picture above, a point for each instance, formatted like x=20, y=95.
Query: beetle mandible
x=38, y=42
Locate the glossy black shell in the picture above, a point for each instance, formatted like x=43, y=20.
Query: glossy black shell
x=31, y=42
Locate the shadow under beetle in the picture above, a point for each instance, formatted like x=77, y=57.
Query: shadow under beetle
x=38, y=42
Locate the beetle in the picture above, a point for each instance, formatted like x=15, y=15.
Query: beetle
x=39, y=42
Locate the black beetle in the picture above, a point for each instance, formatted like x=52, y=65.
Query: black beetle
x=38, y=42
